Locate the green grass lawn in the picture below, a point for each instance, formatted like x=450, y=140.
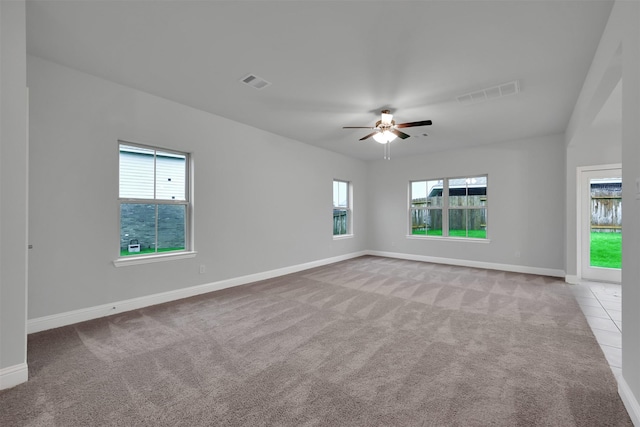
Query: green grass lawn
x=606, y=250
x=148, y=251
x=473, y=234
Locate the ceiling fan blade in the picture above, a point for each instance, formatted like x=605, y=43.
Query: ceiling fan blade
x=369, y=136
x=412, y=124
x=358, y=127
x=399, y=134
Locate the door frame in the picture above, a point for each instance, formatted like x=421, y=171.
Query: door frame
x=580, y=214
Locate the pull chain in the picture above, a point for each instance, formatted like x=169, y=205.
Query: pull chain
x=387, y=151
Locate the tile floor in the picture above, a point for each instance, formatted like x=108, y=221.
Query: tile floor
x=601, y=304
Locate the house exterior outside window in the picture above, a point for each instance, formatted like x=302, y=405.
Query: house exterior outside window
x=449, y=207
x=154, y=200
x=342, y=213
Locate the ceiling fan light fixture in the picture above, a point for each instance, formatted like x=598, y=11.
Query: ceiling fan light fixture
x=386, y=130
x=384, y=137
x=379, y=137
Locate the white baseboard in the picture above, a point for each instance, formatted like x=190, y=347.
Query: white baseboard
x=13, y=375
x=629, y=400
x=68, y=318
x=572, y=279
x=475, y=264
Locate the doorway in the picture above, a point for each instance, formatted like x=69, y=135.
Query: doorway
x=600, y=223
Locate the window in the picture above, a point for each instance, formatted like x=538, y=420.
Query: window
x=449, y=207
x=426, y=208
x=341, y=208
x=154, y=200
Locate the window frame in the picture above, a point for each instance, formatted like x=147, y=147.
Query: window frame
x=440, y=207
x=188, y=251
x=445, y=208
x=348, y=208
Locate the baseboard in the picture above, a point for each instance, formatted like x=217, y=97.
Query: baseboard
x=76, y=316
x=475, y=264
x=68, y=318
x=572, y=279
x=629, y=400
x=13, y=375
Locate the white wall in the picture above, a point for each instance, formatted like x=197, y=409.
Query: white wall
x=525, y=198
x=262, y=202
x=629, y=16
x=603, y=146
x=619, y=54
x=76, y=120
x=13, y=194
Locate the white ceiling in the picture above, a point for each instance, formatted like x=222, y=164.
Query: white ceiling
x=338, y=63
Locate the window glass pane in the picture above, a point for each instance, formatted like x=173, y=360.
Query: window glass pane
x=137, y=228
x=136, y=172
x=434, y=222
x=340, y=194
x=434, y=189
x=419, y=221
x=457, y=192
x=605, y=244
x=426, y=222
x=477, y=191
x=457, y=222
x=171, y=171
x=171, y=227
x=340, y=221
x=477, y=223
x=343, y=194
x=418, y=194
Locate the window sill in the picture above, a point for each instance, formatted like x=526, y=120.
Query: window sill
x=448, y=239
x=148, y=259
x=343, y=236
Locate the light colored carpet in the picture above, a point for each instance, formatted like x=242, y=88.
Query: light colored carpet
x=366, y=342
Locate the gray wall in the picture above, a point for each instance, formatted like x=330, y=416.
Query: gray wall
x=525, y=197
x=244, y=180
x=13, y=185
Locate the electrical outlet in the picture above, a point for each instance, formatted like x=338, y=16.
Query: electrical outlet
x=517, y=254
x=203, y=268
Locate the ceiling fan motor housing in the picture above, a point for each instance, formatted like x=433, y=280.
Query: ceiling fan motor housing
x=385, y=126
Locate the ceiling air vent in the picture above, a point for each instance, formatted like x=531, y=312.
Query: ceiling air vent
x=489, y=93
x=255, y=81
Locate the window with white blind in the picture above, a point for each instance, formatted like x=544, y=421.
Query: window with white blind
x=154, y=200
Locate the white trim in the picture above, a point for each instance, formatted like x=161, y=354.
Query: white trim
x=343, y=236
x=84, y=314
x=572, y=279
x=448, y=238
x=475, y=264
x=579, y=210
x=13, y=375
x=629, y=400
x=148, y=259
x=81, y=315
x=446, y=207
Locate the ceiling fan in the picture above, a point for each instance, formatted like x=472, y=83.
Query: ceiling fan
x=386, y=130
